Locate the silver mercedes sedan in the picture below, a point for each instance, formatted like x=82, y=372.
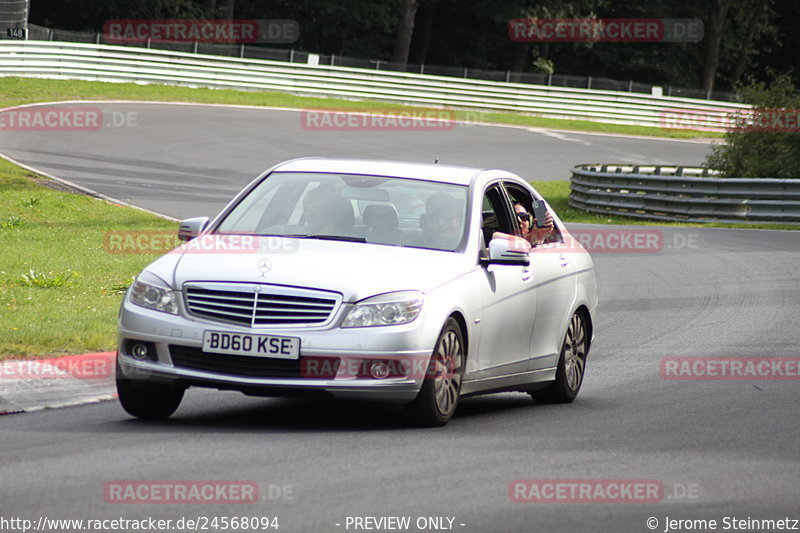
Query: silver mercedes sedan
x=412, y=284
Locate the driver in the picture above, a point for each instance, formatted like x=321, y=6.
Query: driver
x=441, y=222
x=327, y=213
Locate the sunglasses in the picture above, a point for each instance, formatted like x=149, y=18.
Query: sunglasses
x=524, y=216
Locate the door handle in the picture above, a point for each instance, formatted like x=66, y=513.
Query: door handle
x=527, y=274
x=564, y=260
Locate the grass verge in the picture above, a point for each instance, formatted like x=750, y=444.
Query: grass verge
x=19, y=91
x=59, y=286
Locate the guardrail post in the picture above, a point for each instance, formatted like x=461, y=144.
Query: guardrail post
x=291, y=55
x=589, y=83
x=241, y=51
x=333, y=59
x=195, y=45
x=508, y=76
x=465, y=72
x=97, y=41
x=549, y=79
x=148, y=44
x=630, y=86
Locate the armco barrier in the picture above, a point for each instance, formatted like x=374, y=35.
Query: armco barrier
x=683, y=194
x=125, y=64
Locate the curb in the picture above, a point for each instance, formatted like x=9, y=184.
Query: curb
x=28, y=385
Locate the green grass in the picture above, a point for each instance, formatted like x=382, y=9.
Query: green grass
x=557, y=195
x=18, y=91
x=59, y=288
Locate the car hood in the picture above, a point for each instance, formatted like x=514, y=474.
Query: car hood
x=356, y=270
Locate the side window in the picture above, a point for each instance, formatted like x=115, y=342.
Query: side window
x=494, y=214
x=518, y=195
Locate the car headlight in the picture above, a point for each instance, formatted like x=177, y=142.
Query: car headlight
x=388, y=309
x=152, y=292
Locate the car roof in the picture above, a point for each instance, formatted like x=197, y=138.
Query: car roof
x=457, y=175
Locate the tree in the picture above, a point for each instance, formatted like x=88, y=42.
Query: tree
x=744, y=50
x=716, y=24
x=405, y=30
x=225, y=9
x=220, y=9
x=766, y=144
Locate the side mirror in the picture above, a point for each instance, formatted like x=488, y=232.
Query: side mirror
x=504, y=251
x=191, y=227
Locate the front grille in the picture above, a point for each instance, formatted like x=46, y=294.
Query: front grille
x=255, y=367
x=271, y=306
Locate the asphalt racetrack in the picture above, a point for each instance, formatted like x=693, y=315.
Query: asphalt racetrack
x=719, y=448
x=190, y=160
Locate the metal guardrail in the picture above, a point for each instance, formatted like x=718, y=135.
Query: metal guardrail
x=125, y=64
x=258, y=51
x=678, y=193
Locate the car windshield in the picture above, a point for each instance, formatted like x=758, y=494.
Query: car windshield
x=359, y=208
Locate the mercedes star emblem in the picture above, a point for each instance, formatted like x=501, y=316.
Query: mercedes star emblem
x=264, y=266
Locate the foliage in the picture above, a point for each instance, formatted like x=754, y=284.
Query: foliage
x=47, y=280
x=750, y=150
x=757, y=35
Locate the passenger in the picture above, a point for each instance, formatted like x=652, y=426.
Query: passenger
x=528, y=234
x=528, y=228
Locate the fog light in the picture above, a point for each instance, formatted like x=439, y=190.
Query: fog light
x=139, y=352
x=379, y=370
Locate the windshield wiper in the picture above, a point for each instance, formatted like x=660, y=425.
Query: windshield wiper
x=346, y=238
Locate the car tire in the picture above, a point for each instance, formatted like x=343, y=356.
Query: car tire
x=147, y=400
x=438, y=398
x=571, y=365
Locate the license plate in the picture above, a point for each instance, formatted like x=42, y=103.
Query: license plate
x=251, y=345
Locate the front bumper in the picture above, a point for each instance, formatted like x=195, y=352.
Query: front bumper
x=168, y=334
